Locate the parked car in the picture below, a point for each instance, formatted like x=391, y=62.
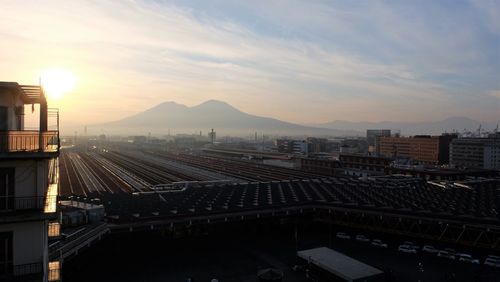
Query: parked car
x=379, y=243
x=491, y=261
x=407, y=249
x=411, y=244
x=493, y=257
x=467, y=258
x=342, y=235
x=362, y=238
x=430, y=249
x=450, y=250
x=446, y=254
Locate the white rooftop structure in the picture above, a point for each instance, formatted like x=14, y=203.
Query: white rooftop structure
x=339, y=264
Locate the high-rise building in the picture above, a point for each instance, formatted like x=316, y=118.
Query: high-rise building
x=316, y=145
x=28, y=186
x=423, y=148
x=476, y=152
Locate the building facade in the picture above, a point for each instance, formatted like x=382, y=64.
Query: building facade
x=372, y=136
x=292, y=146
x=29, y=180
x=476, y=152
x=423, y=148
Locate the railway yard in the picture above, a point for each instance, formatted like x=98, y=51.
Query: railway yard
x=138, y=186
x=139, y=171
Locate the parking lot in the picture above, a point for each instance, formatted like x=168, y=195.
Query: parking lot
x=236, y=254
x=421, y=266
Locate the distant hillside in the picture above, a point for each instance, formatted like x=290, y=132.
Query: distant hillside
x=409, y=128
x=221, y=116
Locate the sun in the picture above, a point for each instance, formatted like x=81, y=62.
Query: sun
x=57, y=82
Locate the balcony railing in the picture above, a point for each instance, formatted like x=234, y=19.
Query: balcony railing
x=29, y=141
x=21, y=272
x=13, y=203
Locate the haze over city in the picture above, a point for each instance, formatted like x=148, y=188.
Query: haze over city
x=301, y=62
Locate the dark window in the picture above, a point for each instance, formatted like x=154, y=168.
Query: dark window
x=3, y=118
x=7, y=176
x=5, y=252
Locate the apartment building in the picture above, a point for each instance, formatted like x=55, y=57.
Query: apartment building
x=29, y=180
x=423, y=148
x=476, y=152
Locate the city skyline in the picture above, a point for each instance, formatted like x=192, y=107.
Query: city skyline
x=311, y=62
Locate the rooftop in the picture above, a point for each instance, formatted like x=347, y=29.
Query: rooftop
x=339, y=264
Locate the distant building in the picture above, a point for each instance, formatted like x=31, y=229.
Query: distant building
x=354, y=146
x=292, y=146
x=367, y=163
x=372, y=136
x=476, y=152
x=212, y=135
x=320, y=166
x=317, y=145
x=423, y=148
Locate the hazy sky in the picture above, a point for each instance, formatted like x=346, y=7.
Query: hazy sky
x=300, y=61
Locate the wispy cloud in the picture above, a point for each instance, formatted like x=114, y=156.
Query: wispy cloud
x=494, y=93
x=313, y=61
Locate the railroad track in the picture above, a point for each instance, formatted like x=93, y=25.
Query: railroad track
x=71, y=181
x=81, y=174
x=239, y=169
x=171, y=173
x=149, y=174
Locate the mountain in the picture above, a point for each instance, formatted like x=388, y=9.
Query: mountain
x=413, y=128
x=224, y=118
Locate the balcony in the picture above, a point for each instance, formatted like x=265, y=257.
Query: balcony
x=45, y=204
x=22, y=272
x=31, y=143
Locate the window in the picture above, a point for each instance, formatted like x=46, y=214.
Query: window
x=4, y=125
x=7, y=188
x=5, y=252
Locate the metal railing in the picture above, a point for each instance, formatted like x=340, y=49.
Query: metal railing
x=29, y=141
x=63, y=248
x=13, y=203
x=20, y=272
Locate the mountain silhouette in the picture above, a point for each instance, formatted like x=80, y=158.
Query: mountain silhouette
x=413, y=128
x=224, y=118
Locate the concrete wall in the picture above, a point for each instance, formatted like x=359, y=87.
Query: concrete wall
x=31, y=176
x=29, y=241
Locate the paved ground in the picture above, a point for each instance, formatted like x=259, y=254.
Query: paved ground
x=236, y=255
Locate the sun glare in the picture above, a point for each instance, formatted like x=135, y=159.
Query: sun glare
x=57, y=82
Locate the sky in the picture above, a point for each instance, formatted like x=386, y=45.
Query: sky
x=300, y=61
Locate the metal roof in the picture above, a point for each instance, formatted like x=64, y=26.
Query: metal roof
x=29, y=93
x=339, y=264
